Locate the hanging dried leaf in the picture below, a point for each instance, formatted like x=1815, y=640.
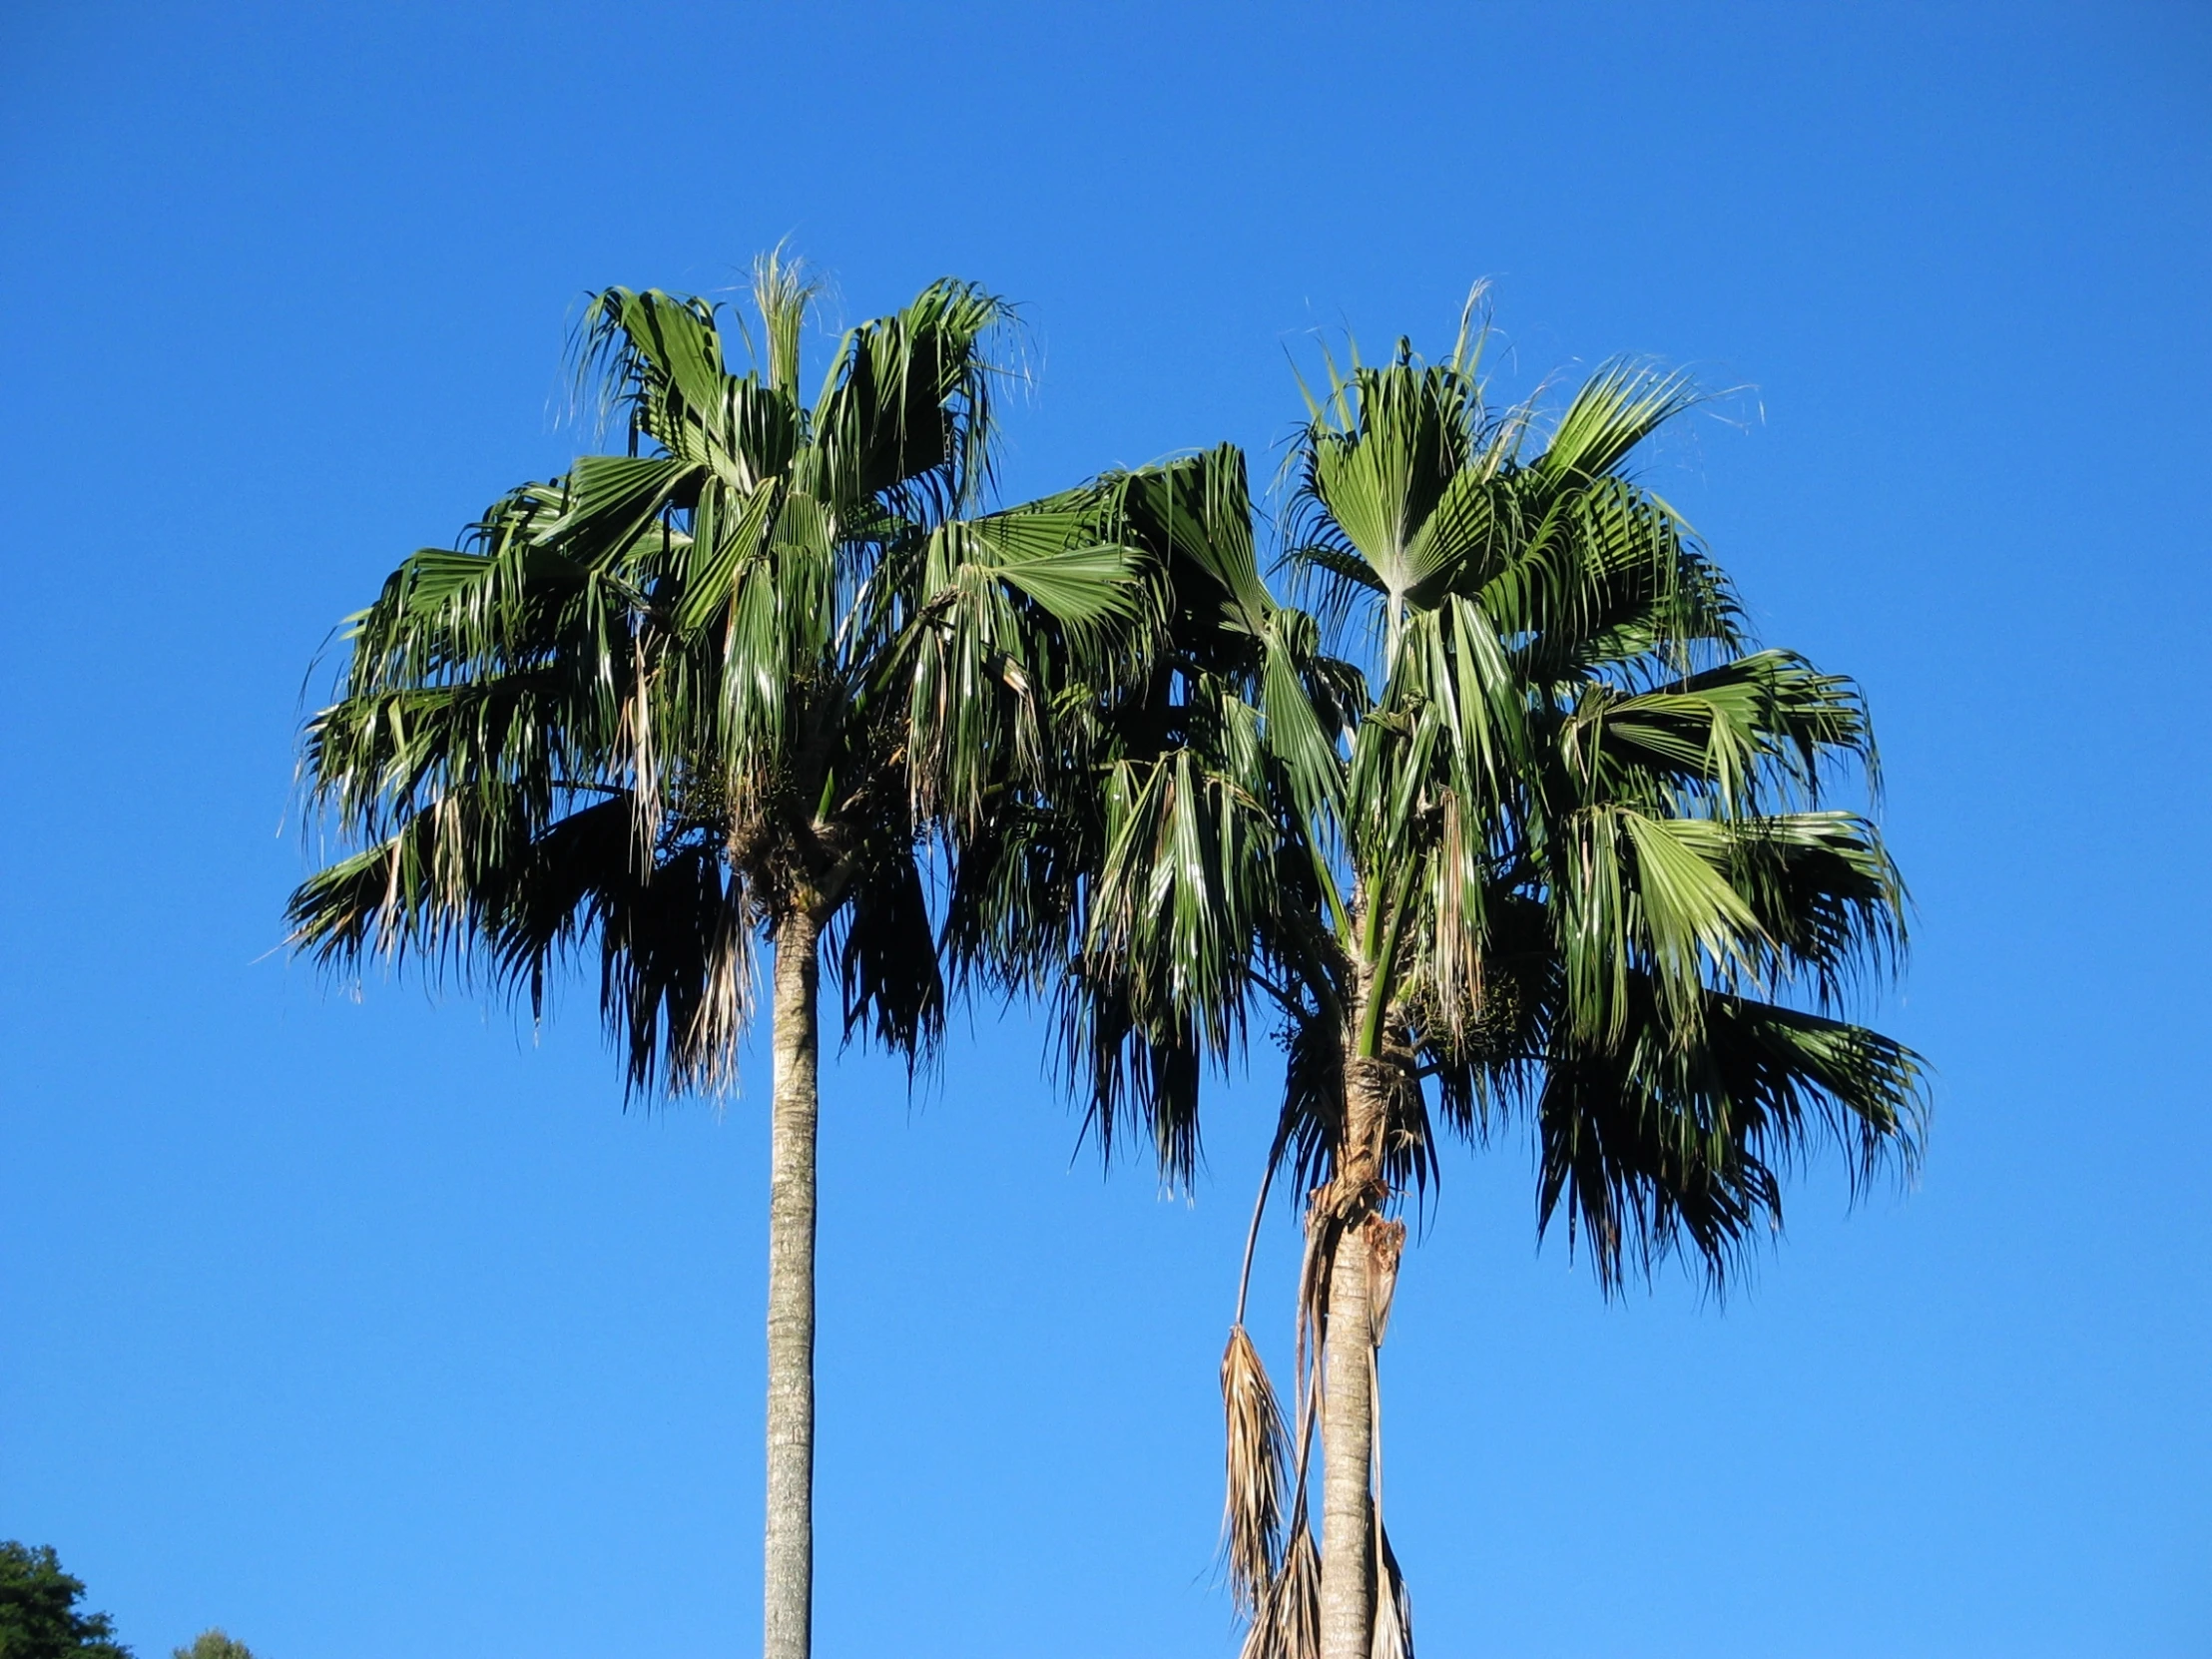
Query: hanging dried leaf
x=1251, y=1521
x=1393, y=1608
x=1386, y=1243
x=1288, y=1623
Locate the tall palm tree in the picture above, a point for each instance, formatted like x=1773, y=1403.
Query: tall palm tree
x=746, y=679
x=1553, y=846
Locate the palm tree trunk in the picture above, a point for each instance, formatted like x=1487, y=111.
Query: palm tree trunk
x=1347, y=1451
x=1347, y=1563
x=789, y=1580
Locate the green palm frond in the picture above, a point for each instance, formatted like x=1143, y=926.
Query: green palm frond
x=1649, y=1146
x=1613, y=412
x=1758, y=728
x=1577, y=818
x=906, y=414
x=769, y=656
x=783, y=294
x=1549, y=843
x=887, y=961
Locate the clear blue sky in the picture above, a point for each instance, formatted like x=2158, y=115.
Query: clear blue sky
x=379, y=1327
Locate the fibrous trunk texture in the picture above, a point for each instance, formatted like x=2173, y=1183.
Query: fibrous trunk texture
x=789, y=1618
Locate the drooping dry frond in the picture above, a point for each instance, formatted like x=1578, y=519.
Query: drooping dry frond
x=1323, y=1234
x=1288, y=1623
x=1385, y=1242
x=1252, y=1519
x=1394, y=1603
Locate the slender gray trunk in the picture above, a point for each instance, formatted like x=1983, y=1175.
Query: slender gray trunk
x=789, y=1583
x=1347, y=1563
x=1348, y=1555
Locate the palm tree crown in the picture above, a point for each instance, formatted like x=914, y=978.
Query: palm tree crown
x=1550, y=844
x=738, y=673
x=746, y=679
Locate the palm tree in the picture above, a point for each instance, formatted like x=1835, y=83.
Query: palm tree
x=746, y=679
x=1560, y=854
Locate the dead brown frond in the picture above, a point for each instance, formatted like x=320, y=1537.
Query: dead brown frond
x=1283, y=1602
x=707, y=1058
x=1322, y=1232
x=1386, y=1243
x=1252, y=1519
x=636, y=734
x=1393, y=1608
x=1286, y=1624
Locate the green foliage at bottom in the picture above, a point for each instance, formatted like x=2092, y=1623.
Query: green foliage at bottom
x=38, y=1610
x=212, y=1644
